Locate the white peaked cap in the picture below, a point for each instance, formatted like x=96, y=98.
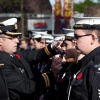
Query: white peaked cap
x=57, y=38
x=49, y=41
x=87, y=20
x=9, y=27
x=33, y=34
x=37, y=36
x=47, y=36
x=69, y=32
x=10, y=21
x=40, y=32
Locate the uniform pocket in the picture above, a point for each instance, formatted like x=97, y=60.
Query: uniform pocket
x=77, y=82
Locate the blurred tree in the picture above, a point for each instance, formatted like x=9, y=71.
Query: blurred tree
x=81, y=6
x=7, y=6
x=29, y=6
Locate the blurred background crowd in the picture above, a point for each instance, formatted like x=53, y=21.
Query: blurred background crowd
x=47, y=15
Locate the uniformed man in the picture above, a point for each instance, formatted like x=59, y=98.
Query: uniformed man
x=22, y=82
x=85, y=84
x=45, y=65
x=24, y=44
x=37, y=38
x=37, y=41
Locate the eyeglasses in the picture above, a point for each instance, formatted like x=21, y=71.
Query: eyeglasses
x=79, y=36
x=10, y=38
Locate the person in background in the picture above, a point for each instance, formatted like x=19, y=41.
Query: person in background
x=37, y=41
x=23, y=83
x=45, y=65
x=47, y=38
x=25, y=44
x=59, y=90
x=44, y=36
x=70, y=57
x=32, y=46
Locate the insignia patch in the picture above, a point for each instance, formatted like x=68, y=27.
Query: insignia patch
x=0, y=31
x=16, y=26
x=22, y=70
x=97, y=68
x=99, y=92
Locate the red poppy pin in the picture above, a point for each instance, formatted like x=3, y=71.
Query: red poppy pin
x=79, y=76
x=17, y=55
x=61, y=80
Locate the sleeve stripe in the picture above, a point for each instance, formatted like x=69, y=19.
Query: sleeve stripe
x=45, y=79
x=47, y=82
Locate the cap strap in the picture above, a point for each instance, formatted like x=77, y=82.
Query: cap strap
x=86, y=26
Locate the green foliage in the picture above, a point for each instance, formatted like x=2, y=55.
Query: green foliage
x=80, y=6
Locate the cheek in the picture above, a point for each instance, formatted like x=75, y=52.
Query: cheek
x=82, y=46
x=7, y=47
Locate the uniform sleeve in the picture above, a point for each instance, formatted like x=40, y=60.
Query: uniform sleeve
x=38, y=55
x=23, y=85
x=43, y=81
x=18, y=82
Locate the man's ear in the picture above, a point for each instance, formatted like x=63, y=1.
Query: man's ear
x=94, y=37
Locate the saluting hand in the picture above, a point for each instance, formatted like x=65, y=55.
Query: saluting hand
x=57, y=46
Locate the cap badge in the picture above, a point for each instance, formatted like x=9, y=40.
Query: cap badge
x=16, y=26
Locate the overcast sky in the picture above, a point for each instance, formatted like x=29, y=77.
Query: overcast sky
x=53, y=1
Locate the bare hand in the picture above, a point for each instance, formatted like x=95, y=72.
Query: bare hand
x=56, y=46
x=73, y=53
x=56, y=65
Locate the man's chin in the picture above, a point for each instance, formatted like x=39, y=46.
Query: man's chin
x=14, y=50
